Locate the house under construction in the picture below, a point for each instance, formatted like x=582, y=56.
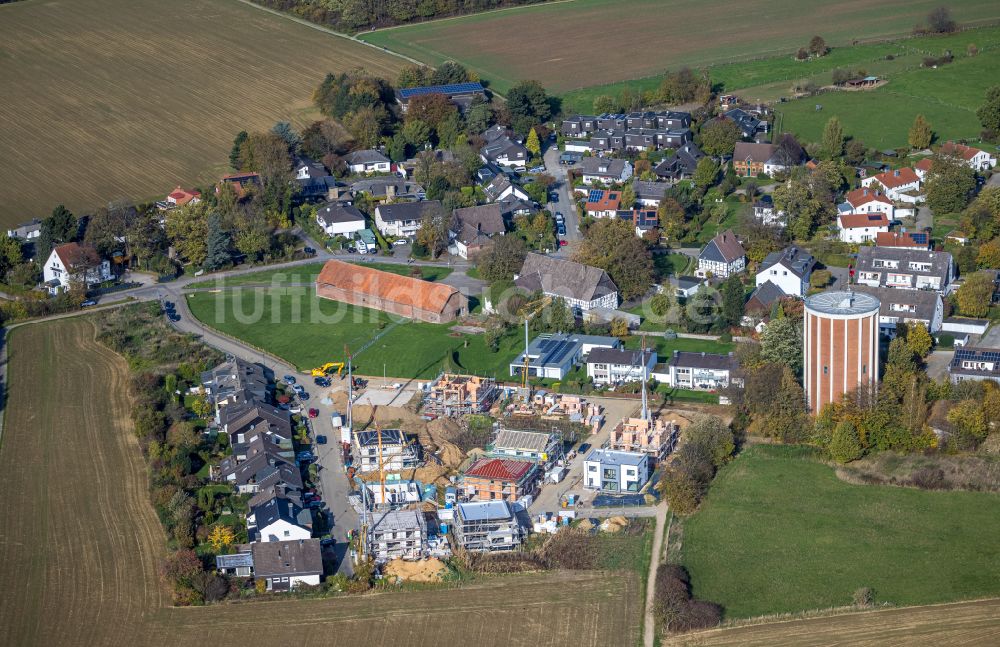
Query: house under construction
x=397, y=453
x=487, y=526
x=397, y=534
x=457, y=395
x=654, y=437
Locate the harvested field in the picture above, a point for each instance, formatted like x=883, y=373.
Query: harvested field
x=966, y=623
x=81, y=542
x=127, y=98
x=576, y=44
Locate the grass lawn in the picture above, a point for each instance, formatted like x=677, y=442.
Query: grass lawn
x=778, y=532
x=672, y=264
x=306, y=331
x=666, y=347
x=947, y=97
x=307, y=274
x=687, y=395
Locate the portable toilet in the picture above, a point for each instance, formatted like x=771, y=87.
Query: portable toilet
x=444, y=529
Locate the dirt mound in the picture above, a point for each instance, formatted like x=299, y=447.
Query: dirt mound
x=425, y=570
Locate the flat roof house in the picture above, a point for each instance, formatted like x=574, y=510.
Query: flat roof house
x=607, y=366
x=400, y=295
x=974, y=363
x=553, y=356
x=611, y=471
x=487, y=526
x=493, y=479
x=723, y=256
x=284, y=565
x=403, y=219
x=582, y=287
x=456, y=395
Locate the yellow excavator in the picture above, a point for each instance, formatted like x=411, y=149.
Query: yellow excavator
x=328, y=368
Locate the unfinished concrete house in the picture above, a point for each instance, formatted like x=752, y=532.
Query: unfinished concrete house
x=487, y=526
x=537, y=447
x=397, y=534
x=459, y=395
x=654, y=437
x=397, y=453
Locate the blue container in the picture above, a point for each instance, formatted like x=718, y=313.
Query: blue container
x=444, y=529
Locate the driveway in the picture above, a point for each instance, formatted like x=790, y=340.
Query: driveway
x=565, y=205
x=925, y=219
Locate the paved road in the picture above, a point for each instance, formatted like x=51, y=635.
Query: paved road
x=566, y=205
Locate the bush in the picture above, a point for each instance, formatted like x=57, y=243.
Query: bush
x=864, y=597
x=673, y=605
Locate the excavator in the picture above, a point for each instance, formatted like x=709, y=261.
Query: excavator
x=328, y=368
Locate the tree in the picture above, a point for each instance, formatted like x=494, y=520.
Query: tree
x=284, y=130
x=221, y=537
x=217, y=254
x=503, y=260
x=628, y=197
x=322, y=138
x=684, y=86
x=532, y=144
x=920, y=133
x=949, y=184
x=939, y=21
x=433, y=231
x=234, y=153
x=969, y=421
x=974, y=296
x=60, y=227
x=781, y=342
x=705, y=173
x=10, y=254
x=817, y=46
x=612, y=245
x=845, y=445
x=714, y=435
x=478, y=118
x=918, y=340
x=180, y=567
x=252, y=242
x=806, y=202
x=604, y=104
x=833, y=138
x=528, y=105
x=989, y=112
x=187, y=230
x=989, y=255
x=732, y=300
x=449, y=73
x=432, y=109
x=416, y=133
x=719, y=137
x=619, y=328
x=671, y=216
x=413, y=76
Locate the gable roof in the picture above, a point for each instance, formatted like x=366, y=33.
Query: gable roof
x=864, y=195
x=859, y=220
x=765, y=294
x=564, y=278
x=724, y=248
x=485, y=219
x=751, y=152
x=450, y=89
x=924, y=301
x=795, y=259
x=298, y=557
x=74, y=255
x=499, y=469
x=182, y=196
x=897, y=178
x=526, y=440
x=924, y=164
x=593, y=165
x=705, y=360
x=918, y=240
x=391, y=287
x=621, y=356
x=650, y=190
x=941, y=262
x=367, y=156
x=401, y=211
x=959, y=150
x=336, y=212
x=599, y=200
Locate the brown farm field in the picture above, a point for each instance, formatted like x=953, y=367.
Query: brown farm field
x=79, y=542
x=127, y=98
x=584, y=43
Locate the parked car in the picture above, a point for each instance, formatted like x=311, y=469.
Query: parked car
x=321, y=440
x=560, y=229
x=563, y=243
x=309, y=250
x=174, y=317
x=584, y=448
x=322, y=381
x=400, y=242
x=559, y=216
x=314, y=413
x=537, y=169
x=288, y=379
x=553, y=197
x=304, y=457
x=88, y=303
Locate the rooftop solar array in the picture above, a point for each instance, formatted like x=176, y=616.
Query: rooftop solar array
x=595, y=195
x=455, y=88
x=977, y=354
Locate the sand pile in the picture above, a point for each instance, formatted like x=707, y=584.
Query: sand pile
x=425, y=570
x=614, y=524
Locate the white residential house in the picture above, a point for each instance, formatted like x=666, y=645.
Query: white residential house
x=789, y=269
x=605, y=170
x=766, y=213
x=501, y=187
x=906, y=306
x=368, y=161
x=612, y=471
x=861, y=227
x=607, y=366
x=74, y=263
x=905, y=268
x=974, y=158
x=279, y=519
x=698, y=371
x=722, y=257
x=403, y=219
x=582, y=287
x=284, y=565
x=338, y=219
x=865, y=200
x=899, y=185
x=397, y=453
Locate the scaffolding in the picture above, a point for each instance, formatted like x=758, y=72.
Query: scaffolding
x=487, y=526
x=397, y=534
x=458, y=395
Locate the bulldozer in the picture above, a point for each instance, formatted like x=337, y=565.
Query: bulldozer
x=328, y=368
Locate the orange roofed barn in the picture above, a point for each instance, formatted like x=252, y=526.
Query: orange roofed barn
x=392, y=293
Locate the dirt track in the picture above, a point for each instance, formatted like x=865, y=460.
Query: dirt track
x=960, y=623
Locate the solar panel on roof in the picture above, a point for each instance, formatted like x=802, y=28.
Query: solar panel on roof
x=595, y=195
x=455, y=88
x=562, y=351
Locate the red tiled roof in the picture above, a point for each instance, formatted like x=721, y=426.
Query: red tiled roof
x=852, y=220
x=72, y=255
x=960, y=150
x=897, y=239
x=864, y=195
x=899, y=177
x=404, y=290
x=923, y=165
x=610, y=201
x=182, y=196
x=498, y=469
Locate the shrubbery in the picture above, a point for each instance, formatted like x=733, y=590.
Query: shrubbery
x=708, y=444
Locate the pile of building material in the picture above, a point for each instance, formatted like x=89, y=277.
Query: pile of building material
x=425, y=570
x=614, y=524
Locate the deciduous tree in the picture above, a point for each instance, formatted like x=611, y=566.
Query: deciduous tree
x=989, y=112
x=532, y=144
x=612, y=245
x=949, y=184
x=781, y=342
x=705, y=173
x=719, y=137
x=503, y=260
x=833, y=138
x=975, y=294
x=920, y=133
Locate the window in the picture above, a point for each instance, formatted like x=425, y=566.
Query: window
x=826, y=369
x=864, y=369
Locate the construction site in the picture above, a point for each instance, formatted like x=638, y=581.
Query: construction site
x=453, y=395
